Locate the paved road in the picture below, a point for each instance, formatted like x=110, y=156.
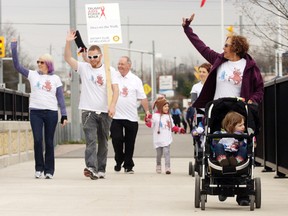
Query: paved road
x=144, y=193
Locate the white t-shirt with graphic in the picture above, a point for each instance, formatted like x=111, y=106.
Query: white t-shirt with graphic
x=229, y=79
x=43, y=90
x=164, y=126
x=93, y=95
x=130, y=90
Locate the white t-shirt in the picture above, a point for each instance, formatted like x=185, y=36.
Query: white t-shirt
x=43, y=90
x=93, y=95
x=130, y=90
x=229, y=79
x=197, y=88
x=164, y=138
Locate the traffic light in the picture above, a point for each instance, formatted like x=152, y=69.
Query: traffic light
x=2, y=47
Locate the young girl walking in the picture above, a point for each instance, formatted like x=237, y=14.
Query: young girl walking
x=163, y=127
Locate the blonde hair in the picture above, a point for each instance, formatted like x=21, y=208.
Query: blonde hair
x=47, y=58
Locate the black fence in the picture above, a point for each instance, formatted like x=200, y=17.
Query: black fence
x=14, y=105
x=272, y=148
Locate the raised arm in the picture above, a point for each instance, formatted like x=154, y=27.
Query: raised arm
x=209, y=54
x=17, y=66
x=186, y=21
x=67, y=52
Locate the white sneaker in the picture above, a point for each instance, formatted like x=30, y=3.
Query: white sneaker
x=89, y=172
x=129, y=171
x=38, y=174
x=48, y=176
x=158, y=169
x=101, y=175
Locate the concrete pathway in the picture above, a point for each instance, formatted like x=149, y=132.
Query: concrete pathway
x=69, y=193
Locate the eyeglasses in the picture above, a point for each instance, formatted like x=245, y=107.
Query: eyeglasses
x=227, y=45
x=94, y=57
x=40, y=62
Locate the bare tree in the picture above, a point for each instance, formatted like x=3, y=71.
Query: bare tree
x=267, y=20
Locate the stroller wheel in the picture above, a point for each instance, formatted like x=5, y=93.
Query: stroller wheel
x=191, y=169
x=252, y=202
x=200, y=172
x=258, y=192
x=203, y=200
x=197, y=192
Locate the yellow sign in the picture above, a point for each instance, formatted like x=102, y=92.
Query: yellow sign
x=147, y=88
x=2, y=47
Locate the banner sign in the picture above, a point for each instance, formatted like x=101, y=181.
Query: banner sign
x=103, y=23
x=166, y=82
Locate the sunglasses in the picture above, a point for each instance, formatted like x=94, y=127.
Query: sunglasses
x=227, y=45
x=94, y=57
x=40, y=62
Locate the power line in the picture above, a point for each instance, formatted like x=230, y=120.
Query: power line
x=139, y=25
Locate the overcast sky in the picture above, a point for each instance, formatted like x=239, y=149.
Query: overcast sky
x=44, y=24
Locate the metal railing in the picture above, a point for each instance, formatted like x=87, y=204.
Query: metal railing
x=272, y=148
x=14, y=105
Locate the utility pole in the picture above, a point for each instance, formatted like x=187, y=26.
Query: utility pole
x=153, y=77
x=279, y=50
x=21, y=86
x=1, y=60
x=241, y=25
x=75, y=90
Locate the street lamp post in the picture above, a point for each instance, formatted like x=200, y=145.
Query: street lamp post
x=75, y=91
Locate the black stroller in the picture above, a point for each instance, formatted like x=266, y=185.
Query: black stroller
x=229, y=181
x=198, y=148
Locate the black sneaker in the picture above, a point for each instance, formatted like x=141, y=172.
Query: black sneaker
x=222, y=198
x=244, y=203
x=117, y=168
x=89, y=172
x=129, y=171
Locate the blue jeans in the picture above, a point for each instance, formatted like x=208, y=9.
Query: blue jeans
x=46, y=119
x=96, y=130
x=219, y=150
x=123, y=134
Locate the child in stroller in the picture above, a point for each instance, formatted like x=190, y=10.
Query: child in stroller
x=237, y=177
x=233, y=122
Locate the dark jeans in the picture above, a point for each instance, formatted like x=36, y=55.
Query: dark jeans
x=176, y=120
x=190, y=123
x=46, y=119
x=123, y=134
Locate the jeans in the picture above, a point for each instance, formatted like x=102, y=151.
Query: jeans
x=219, y=150
x=47, y=119
x=123, y=134
x=96, y=130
